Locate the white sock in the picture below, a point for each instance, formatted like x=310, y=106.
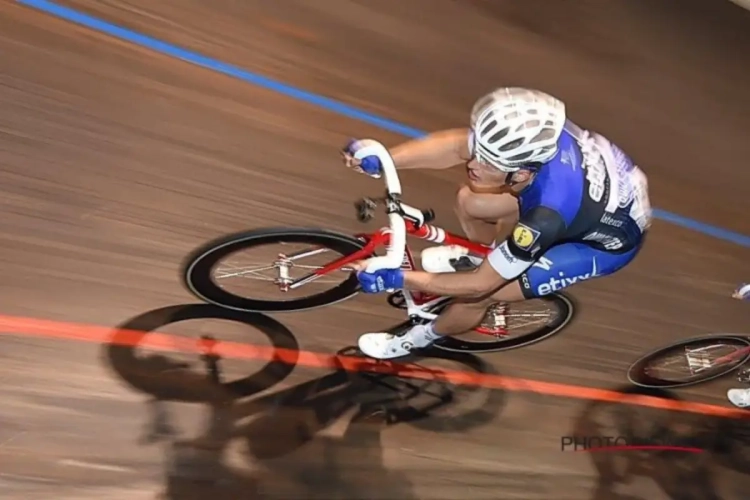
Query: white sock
x=423, y=335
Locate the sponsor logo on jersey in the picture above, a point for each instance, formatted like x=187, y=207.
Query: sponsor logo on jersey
x=562, y=281
x=543, y=263
x=525, y=281
x=506, y=253
x=524, y=236
x=569, y=157
x=606, y=240
x=611, y=221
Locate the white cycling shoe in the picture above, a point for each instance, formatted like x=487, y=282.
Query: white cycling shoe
x=440, y=259
x=739, y=397
x=448, y=259
x=389, y=346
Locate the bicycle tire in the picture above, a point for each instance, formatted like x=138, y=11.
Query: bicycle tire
x=196, y=270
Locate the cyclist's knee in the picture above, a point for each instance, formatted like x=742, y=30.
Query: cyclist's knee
x=484, y=207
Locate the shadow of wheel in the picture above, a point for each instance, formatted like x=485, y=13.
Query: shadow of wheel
x=169, y=380
x=430, y=398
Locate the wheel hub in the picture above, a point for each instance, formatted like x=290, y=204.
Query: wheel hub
x=283, y=264
x=495, y=317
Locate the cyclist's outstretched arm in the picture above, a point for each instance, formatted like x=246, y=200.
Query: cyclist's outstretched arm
x=438, y=150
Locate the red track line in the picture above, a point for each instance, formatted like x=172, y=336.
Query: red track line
x=12, y=325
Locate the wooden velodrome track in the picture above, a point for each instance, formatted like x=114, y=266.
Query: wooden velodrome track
x=118, y=160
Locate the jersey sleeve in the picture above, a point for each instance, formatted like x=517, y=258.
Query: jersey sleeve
x=534, y=234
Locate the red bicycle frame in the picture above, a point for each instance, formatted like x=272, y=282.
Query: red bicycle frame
x=732, y=356
x=403, y=219
x=416, y=302
x=382, y=238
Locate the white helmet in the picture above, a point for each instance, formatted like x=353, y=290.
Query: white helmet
x=514, y=126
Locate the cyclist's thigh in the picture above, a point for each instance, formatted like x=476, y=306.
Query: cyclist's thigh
x=565, y=265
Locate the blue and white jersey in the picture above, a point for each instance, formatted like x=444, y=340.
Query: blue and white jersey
x=590, y=193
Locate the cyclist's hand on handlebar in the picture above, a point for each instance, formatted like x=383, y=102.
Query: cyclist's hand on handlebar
x=382, y=280
x=358, y=154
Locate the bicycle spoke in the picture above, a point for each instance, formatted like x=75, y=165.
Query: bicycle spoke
x=287, y=270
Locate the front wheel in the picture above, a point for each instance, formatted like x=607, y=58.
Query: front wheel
x=231, y=270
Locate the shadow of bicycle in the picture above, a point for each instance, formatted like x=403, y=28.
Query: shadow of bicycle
x=720, y=472
x=316, y=439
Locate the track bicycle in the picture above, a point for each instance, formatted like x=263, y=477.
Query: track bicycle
x=216, y=273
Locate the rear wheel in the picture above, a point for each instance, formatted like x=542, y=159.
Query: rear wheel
x=248, y=271
x=511, y=327
x=690, y=361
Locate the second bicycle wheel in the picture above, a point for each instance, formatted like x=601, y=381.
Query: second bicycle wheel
x=524, y=323
x=245, y=271
x=690, y=361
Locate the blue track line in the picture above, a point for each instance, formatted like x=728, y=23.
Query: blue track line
x=309, y=97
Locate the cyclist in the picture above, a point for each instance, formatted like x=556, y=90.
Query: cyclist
x=571, y=206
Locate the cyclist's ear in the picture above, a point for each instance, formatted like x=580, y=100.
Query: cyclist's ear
x=522, y=175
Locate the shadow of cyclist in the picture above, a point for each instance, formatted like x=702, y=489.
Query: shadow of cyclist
x=275, y=445
x=283, y=440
